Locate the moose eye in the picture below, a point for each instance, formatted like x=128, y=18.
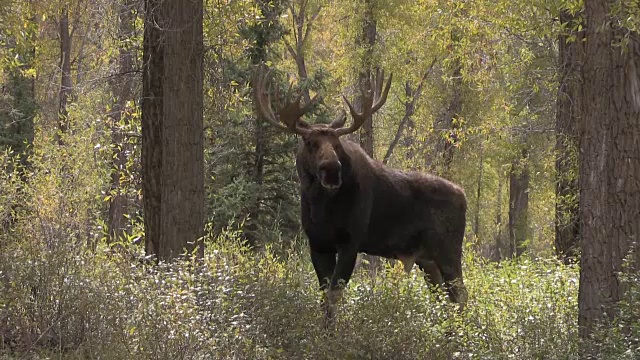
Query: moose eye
x=310, y=144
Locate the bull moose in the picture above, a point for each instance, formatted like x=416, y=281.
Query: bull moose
x=351, y=203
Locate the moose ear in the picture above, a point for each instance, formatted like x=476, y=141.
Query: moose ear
x=339, y=121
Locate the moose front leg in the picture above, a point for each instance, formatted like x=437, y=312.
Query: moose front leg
x=350, y=241
x=324, y=264
x=343, y=270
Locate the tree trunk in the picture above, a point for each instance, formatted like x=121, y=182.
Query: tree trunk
x=66, y=85
x=367, y=41
x=172, y=128
x=609, y=162
x=498, y=223
x=251, y=227
x=446, y=127
x=566, y=223
x=447, y=144
x=518, y=205
x=122, y=88
x=476, y=223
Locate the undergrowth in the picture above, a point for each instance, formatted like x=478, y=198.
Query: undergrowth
x=236, y=304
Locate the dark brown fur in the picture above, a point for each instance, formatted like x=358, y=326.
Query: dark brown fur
x=377, y=210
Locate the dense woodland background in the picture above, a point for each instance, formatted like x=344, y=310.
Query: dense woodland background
x=533, y=107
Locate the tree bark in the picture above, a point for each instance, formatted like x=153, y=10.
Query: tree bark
x=609, y=162
x=367, y=41
x=122, y=89
x=498, y=223
x=66, y=85
x=445, y=127
x=566, y=223
x=251, y=227
x=518, y=205
x=172, y=128
x=476, y=223
x=447, y=144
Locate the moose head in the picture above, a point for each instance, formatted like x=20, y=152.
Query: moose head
x=322, y=153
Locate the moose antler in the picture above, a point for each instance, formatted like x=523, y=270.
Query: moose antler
x=372, y=100
x=288, y=113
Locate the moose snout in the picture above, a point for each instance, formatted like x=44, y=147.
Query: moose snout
x=330, y=174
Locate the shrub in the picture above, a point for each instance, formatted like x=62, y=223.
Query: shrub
x=240, y=304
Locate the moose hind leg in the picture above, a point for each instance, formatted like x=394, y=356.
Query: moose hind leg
x=432, y=273
x=449, y=262
x=452, y=274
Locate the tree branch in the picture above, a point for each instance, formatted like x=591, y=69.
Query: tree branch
x=410, y=108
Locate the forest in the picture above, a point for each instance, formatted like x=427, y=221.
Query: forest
x=160, y=197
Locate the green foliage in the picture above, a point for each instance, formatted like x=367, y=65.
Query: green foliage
x=16, y=113
x=626, y=15
x=236, y=154
x=12, y=191
x=17, y=98
x=265, y=31
x=65, y=300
